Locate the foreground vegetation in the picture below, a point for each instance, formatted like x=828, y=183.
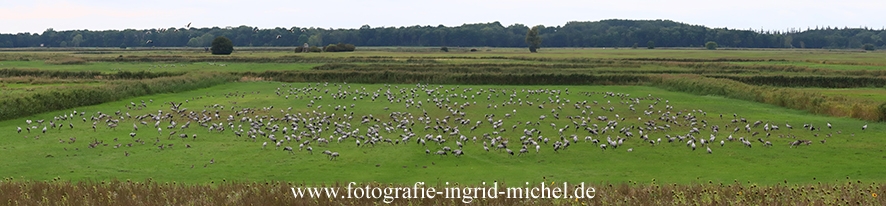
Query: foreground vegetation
x=149, y=192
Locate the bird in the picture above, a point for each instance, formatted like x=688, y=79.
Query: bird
x=862, y=127
x=189, y=25
x=149, y=41
x=279, y=36
x=709, y=150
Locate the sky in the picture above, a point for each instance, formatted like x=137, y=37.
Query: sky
x=36, y=16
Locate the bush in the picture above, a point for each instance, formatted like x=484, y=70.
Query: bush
x=710, y=45
x=444, y=49
x=635, y=46
x=330, y=48
x=340, y=47
x=314, y=49
x=868, y=47
x=222, y=46
x=650, y=44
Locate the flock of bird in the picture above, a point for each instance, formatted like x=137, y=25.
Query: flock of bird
x=434, y=120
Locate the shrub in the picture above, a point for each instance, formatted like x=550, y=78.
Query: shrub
x=444, y=49
x=650, y=44
x=868, y=47
x=222, y=46
x=710, y=45
x=340, y=47
x=330, y=48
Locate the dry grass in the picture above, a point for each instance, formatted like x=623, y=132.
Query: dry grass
x=66, y=61
x=279, y=193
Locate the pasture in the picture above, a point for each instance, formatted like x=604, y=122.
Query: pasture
x=680, y=117
x=403, y=160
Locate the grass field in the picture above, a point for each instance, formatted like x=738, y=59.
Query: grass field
x=852, y=151
x=335, y=111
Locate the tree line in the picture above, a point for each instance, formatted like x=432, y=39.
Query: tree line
x=605, y=33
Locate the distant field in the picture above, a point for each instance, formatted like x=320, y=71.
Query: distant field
x=817, y=65
x=157, y=67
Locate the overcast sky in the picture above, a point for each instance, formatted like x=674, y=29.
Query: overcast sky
x=36, y=16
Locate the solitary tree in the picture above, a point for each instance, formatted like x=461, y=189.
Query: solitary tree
x=711, y=45
x=650, y=44
x=532, y=39
x=222, y=45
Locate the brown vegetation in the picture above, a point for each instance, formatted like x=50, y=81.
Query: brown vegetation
x=279, y=193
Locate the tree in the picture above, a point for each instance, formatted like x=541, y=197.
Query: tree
x=711, y=45
x=76, y=40
x=316, y=39
x=222, y=45
x=635, y=46
x=650, y=44
x=868, y=47
x=532, y=39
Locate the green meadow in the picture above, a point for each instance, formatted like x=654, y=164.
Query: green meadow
x=397, y=116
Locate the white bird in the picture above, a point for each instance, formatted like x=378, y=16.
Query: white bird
x=709, y=150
